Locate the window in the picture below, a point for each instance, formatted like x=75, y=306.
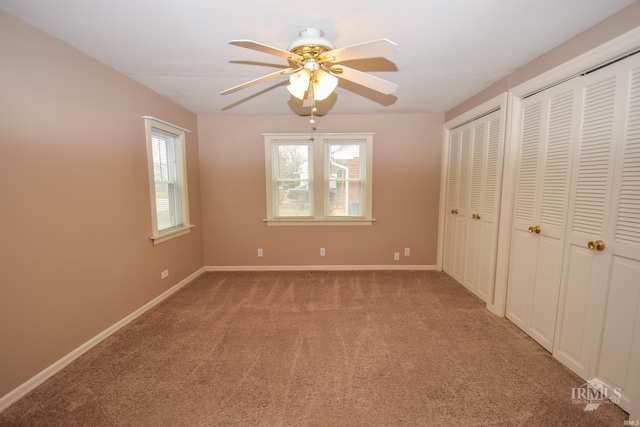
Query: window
x=167, y=180
x=322, y=179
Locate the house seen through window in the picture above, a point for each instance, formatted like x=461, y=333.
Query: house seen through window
x=323, y=177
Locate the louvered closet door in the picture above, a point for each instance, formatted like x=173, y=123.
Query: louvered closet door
x=542, y=189
x=453, y=181
x=481, y=226
x=599, y=318
x=457, y=202
x=462, y=211
x=471, y=204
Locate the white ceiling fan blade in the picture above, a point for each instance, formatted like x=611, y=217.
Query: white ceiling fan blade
x=364, y=79
x=250, y=44
x=258, y=80
x=371, y=49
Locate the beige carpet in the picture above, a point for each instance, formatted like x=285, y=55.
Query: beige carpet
x=314, y=348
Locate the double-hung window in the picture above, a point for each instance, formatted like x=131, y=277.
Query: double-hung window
x=319, y=179
x=167, y=180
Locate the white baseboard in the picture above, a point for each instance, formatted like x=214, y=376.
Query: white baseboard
x=23, y=389
x=317, y=267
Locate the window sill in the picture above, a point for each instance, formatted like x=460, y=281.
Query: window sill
x=319, y=222
x=159, y=238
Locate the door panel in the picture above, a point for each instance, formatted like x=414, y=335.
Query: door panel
x=476, y=184
x=462, y=215
x=522, y=271
x=545, y=292
x=578, y=304
x=451, y=203
x=619, y=356
x=486, y=260
x=548, y=121
x=581, y=307
x=618, y=364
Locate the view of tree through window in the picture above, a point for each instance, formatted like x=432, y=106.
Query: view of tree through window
x=292, y=181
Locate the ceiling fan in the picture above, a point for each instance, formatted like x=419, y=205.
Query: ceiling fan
x=312, y=65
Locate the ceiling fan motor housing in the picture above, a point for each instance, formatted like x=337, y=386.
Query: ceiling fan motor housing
x=311, y=40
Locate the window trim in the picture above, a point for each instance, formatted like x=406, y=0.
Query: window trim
x=160, y=236
x=319, y=142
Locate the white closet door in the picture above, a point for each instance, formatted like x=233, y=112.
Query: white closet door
x=457, y=202
x=523, y=257
x=618, y=352
x=474, y=172
x=474, y=232
x=482, y=226
x=453, y=182
x=535, y=263
x=619, y=357
x=462, y=211
x=599, y=321
x=581, y=295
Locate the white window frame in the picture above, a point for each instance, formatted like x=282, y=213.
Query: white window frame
x=319, y=178
x=182, y=225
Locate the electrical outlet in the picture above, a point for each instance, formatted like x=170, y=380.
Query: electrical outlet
x=260, y=253
x=396, y=256
x=407, y=251
x=322, y=252
x=164, y=274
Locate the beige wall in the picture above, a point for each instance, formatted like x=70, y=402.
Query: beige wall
x=75, y=254
x=406, y=180
x=616, y=25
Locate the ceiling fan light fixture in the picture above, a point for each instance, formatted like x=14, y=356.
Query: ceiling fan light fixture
x=324, y=84
x=299, y=83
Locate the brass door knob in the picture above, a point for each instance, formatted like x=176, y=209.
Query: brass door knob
x=477, y=216
x=598, y=245
x=454, y=211
x=535, y=229
x=474, y=216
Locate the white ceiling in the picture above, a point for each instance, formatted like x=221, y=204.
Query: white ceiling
x=449, y=49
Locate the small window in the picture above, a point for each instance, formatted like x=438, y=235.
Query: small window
x=167, y=180
x=324, y=179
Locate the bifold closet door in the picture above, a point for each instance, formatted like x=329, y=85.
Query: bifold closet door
x=542, y=188
x=598, y=328
x=473, y=178
x=481, y=235
x=454, y=233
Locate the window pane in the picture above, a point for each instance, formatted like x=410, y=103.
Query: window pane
x=292, y=189
x=163, y=210
x=346, y=172
x=165, y=174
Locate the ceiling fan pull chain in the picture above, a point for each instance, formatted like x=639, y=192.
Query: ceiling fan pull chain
x=313, y=110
